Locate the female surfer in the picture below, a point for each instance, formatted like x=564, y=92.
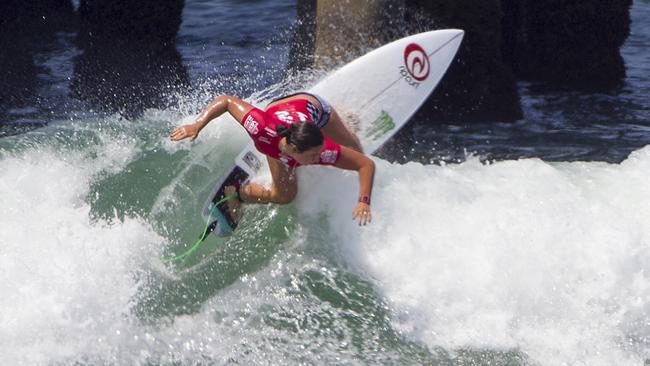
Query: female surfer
x=299, y=129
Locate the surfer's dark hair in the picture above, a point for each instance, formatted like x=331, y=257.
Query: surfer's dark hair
x=303, y=135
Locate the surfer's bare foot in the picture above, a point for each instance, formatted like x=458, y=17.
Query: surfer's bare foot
x=233, y=203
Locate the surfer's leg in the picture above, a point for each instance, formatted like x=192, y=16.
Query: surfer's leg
x=338, y=132
x=283, y=190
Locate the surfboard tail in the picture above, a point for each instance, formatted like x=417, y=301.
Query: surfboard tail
x=222, y=223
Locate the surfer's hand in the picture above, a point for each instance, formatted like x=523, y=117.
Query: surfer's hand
x=362, y=213
x=190, y=131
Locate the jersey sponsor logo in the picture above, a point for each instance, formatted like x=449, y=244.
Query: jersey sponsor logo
x=328, y=156
x=284, y=116
x=379, y=127
x=416, y=66
x=269, y=131
x=264, y=140
x=251, y=125
x=285, y=160
x=288, y=117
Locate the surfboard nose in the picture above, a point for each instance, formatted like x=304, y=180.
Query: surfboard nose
x=449, y=37
x=452, y=32
x=456, y=36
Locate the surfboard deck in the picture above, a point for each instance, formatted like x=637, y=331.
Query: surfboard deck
x=381, y=89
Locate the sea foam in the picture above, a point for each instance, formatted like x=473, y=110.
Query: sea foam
x=547, y=258
x=67, y=281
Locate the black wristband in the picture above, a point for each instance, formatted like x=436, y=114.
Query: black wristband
x=364, y=199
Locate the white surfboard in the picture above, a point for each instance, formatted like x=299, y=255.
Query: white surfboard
x=383, y=88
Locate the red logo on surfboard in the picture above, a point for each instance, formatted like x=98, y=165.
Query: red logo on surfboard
x=416, y=62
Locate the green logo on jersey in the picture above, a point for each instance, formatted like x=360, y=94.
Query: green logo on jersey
x=380, y=126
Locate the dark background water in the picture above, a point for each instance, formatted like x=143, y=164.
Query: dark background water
x=239, y=47
x=560, y=125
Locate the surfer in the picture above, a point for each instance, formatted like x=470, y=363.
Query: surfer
x=299, y=129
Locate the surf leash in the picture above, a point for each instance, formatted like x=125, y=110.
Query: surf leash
x=205, y=231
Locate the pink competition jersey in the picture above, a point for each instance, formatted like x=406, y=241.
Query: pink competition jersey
x=260, y=126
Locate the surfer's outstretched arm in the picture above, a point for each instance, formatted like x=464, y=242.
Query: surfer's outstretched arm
x=354, y=160
x=220, y=105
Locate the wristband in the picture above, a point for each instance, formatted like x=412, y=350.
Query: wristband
x=364, y=199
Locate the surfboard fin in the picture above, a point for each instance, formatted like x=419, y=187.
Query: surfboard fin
x=222, y=224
